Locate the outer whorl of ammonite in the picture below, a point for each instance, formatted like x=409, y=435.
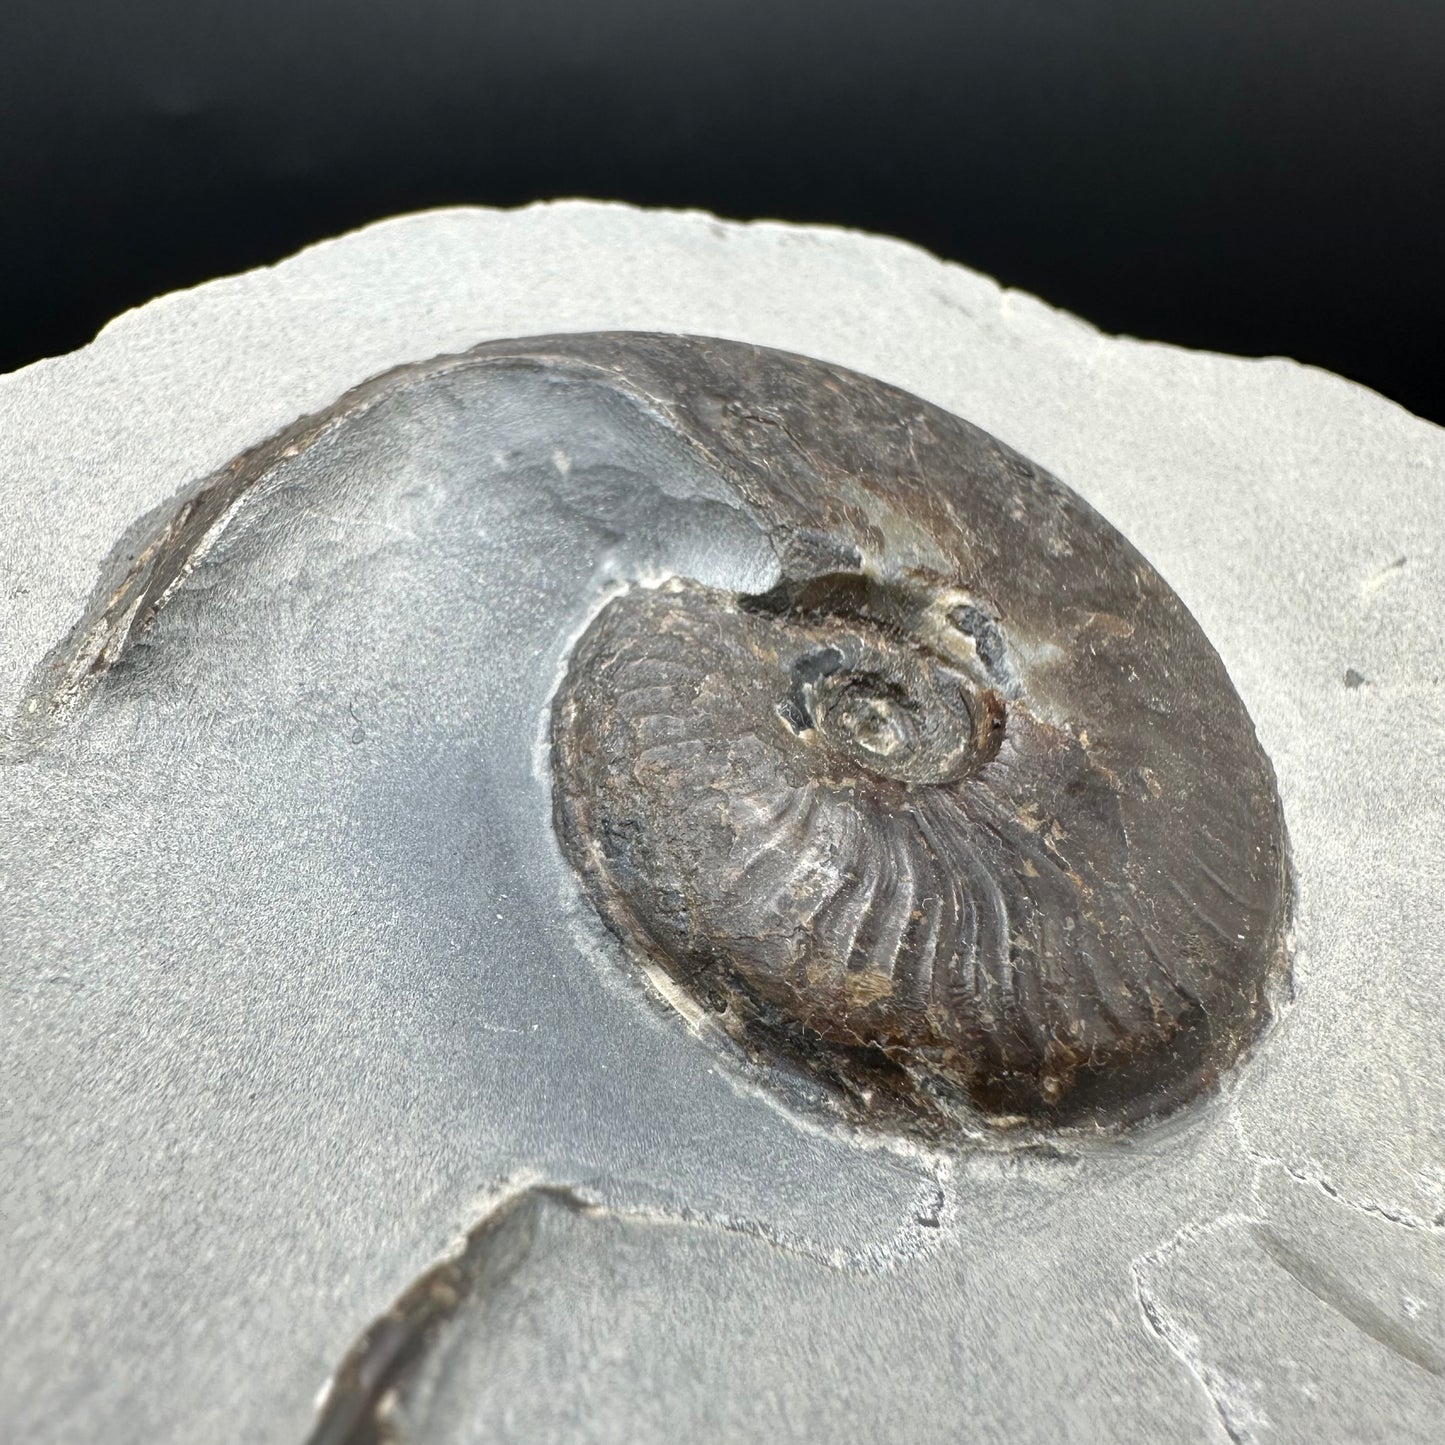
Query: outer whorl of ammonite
x=964, y=818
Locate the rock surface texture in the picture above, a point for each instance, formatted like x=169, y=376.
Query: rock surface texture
x=319, y=1067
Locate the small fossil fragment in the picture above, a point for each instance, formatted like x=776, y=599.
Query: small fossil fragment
x=964, y=817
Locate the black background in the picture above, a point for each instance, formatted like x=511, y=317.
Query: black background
x=1249, y=175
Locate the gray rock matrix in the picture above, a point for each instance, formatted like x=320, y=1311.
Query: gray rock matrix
x=298, y=997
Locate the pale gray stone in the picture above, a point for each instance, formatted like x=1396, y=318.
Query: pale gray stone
x=294, y=988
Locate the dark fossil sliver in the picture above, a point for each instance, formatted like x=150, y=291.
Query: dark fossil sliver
x=964, y=817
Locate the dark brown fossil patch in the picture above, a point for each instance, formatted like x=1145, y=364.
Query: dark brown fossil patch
x=964, y=816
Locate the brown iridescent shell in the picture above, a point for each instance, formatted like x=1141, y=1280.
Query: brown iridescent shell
x=964, y=817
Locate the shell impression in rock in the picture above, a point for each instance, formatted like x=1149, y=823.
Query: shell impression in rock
x=963, y=816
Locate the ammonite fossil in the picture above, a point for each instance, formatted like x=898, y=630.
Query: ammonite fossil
x=886, y=748
x=963, y=816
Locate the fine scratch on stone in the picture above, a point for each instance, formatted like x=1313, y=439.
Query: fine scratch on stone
x=1337, y=1295
x=1385, y=575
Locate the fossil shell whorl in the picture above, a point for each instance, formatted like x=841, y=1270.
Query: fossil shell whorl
x=964, y=817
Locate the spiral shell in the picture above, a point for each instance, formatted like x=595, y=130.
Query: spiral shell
x=963, y=817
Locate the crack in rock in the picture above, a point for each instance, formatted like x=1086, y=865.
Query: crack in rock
x=1240, y=1418
x=1316, y=1178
